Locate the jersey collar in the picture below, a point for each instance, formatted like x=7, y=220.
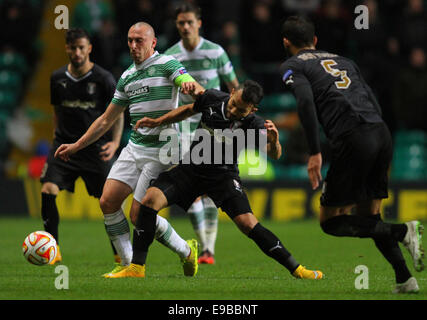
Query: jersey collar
x=147, y=61
x=181, y=44
x=69, y=75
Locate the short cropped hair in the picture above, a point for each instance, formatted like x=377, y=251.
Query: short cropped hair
x=299, y=31
x=252, y=92
x=75, y=33
x=188, y=7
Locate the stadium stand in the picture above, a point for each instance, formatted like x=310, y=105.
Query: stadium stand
x=241, y=28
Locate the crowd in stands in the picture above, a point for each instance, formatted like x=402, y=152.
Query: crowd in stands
x=391, y=54
x=19, y=51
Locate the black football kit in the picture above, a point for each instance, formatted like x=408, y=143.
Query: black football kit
x=330, y=89
x=218, y=176
x=78, y=102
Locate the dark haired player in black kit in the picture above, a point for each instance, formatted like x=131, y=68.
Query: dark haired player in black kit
x=80, y=92
x=330, y=89
x=219, y=180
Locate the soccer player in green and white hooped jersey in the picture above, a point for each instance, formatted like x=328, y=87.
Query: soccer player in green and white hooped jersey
x=208, y=63
x=150, y=86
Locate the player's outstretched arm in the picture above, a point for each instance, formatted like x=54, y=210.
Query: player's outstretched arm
x=173, y=116
x=308, y=116
x=98, y=128
x=274, y=148
x=314, y=167
x=109, y=149
x=192, y=88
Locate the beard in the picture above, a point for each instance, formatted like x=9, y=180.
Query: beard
x=77, y=64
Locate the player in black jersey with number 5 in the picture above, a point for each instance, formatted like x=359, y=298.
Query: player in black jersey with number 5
x=216, y=176
x=80, y=93
x=330, y=89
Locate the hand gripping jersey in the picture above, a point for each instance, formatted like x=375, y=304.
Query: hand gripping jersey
x=214, y=122
x=208, y=64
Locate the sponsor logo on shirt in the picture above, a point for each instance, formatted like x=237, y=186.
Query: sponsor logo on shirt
x=142, y=90
x=85, y=105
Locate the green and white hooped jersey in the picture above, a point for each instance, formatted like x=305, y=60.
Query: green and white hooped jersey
x=208, y=64
x=149, y=90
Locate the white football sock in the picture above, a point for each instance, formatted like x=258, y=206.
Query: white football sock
x=167, y=236
x=211, y=224
x=118, y=231
x=197, y=218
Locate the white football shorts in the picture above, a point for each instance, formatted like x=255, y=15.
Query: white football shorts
x=137, y=167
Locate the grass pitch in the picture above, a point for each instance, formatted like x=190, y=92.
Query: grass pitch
x=241, y=272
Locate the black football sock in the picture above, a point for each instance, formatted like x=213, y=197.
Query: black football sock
x=50, y=214
x=363, y=227
x=272, y=247
x=143, y=234
x=391, y=251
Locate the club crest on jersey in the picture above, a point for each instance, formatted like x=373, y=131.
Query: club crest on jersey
x=151, y=71
x=206, y=63
x=288, y=77
x=91, y=87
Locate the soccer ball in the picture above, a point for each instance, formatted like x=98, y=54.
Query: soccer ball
x=39, y=248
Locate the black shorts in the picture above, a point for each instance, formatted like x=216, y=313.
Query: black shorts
x=359, y=167
x=64, y=174
x=182, y=185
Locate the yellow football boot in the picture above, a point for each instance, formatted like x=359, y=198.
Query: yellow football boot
x=58, y=257
x=302, y=273
x=117, y=267
x=131, y=271
x=190, y=264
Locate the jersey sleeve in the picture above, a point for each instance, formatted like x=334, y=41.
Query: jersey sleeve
x=201, y=101
x=260, y=141
x=120, y=97
x=293, y=75
x=205, y=100
x=54, y=100
x=225, y=67
x=174, y=70
x=295, y=79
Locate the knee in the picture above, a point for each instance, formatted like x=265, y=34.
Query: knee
x=324, y=226
x=154, y=199
x=50, y=188
x=246, y=222
x=148, y=201
x=107, y=206
x=332, y=226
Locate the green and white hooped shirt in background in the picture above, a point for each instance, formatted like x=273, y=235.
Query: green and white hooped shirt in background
x=208, y=64
x=150, y=89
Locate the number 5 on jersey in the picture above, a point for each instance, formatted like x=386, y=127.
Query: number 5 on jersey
x=345, y=81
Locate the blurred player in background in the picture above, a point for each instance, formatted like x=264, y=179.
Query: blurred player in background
x=80, y=92
x=217, y=177
x=330, y=89
x=149, y=87
x=208, y=64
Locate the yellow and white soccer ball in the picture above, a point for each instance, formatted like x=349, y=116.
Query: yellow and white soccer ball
x=39, y=248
